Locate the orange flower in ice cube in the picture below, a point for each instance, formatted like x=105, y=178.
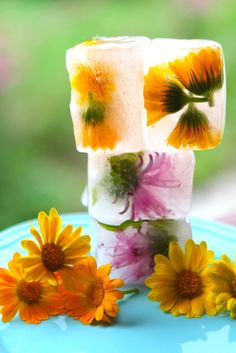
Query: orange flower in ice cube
x=163, y=93
x=201, y=72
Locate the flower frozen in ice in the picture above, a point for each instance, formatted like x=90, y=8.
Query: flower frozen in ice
x=139, y=183
x=132, y=254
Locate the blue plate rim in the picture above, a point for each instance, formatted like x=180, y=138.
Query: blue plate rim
x=65, y=216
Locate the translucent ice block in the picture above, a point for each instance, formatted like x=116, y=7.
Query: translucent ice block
x=131, y=93
x=107, y=108
x=140, y=186
x=131, y=247
x=184, y=94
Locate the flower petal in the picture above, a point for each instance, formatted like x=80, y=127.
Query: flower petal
x=35, y=273
x=9, y=311
x=99, y=313
x=31, y=247
x=104, y=270
x=70, y=277
x=29, y=261
x=63, y=236
x=54, y=228
x=53, y=212
x=197, y=307
x=37, y=236
x=114, y=283
x=42, y=216
x=78, y=247
x=231, y=305
x=176, y=257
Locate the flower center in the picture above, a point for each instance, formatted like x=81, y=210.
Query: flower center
x=234, y=287
x=137, y=252
x=29, y=292
x=52, y=256
x=96, y=294
x=123, y=175
x=189, y=284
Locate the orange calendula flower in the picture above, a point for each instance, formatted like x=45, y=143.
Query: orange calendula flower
x=57, y=250
x=98, y=131
x=95, y=86
x=180, y=283
x=193, y=130
x=94, y=80
x=163, y=93
x=201, y=73
x=95, y=296
x=223, y=285
x=34, y=300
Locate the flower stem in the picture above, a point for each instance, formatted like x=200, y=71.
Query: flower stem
x=210, y=99
x=131, y=291
x=197, y=99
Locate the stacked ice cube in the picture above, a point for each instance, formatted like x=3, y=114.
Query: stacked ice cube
x=139, y=109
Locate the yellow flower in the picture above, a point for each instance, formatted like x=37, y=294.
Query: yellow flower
x=95, y=295
x=94, y=79
x=202, y=72
x=35, y=300
x=98, y=131
x=180, y=283
x=193, y=130
x=163, y=93
x=223, y=285
x=94, y=84
x=57, y=250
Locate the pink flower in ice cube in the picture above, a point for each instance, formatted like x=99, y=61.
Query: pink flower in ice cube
x=132, y=254
x=144, y=199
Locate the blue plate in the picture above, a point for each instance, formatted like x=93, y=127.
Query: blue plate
x=141, y=325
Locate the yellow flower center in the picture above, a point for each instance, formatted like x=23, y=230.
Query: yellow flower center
x=52, y=256
x=95, y=294
x=189, y=284
x=29, y=292
x=234, y=287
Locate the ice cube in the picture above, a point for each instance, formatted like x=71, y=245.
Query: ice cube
x=140, y=186
x=131, y=247
x=131, y=93
x=107, y=108
x=184, y=94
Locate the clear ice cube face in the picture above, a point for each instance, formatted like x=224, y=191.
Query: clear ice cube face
x=140, y=186
x=131, y=248
x=107, y=105
x=184, y=94
x=133, y=93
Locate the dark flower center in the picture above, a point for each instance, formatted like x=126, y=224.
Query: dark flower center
x=194, y=121
x=233, y=285
x=174, y=98
x=123, y=175
x=94, y=115
x=136, y=252
x=95, y=294
x=29, y=292
x=52, y=256
x=189, y=284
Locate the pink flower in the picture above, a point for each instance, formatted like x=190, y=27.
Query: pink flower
x=144, y=200
x=132, y=254
x=131, y=251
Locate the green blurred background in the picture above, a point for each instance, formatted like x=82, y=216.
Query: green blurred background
x=39, y=165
